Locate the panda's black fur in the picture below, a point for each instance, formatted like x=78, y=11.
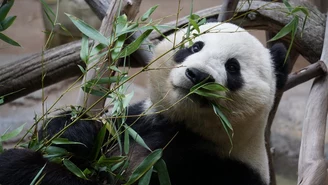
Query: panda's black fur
x=191, y=158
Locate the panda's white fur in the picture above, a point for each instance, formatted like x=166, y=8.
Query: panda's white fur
x=250, y=106
x=195, y=134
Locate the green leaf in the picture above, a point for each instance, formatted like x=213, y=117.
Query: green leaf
x=289, y=7
x=222, y=116
x=38, y=175
x=97, y=49
x=74, y=169
x=126, y=142
x=7, y=22
x=145, y=166
x=302, y=9
x=118, y=46
x=47, y=8
x=136, y=137
x=194, y=25
x=108, y=80
x=121, y=24
x=208, y=94
x=145, y=180
x=84, y=53
x=5, y=9
x=99, y=142
x=114, y=68
x=89, y=90
x=1, y=147
x=132, y=47
x=225, y=123
x=8, y=40
x=88, y=30
x=2, y=100
x=81, y=68
x=65, y=141
x=148, y=13
x=285, y=30
x=12, y=134
x=51, y=150
x=127, y=99
x=163, y=174
x=212, y=86
x=103, y=160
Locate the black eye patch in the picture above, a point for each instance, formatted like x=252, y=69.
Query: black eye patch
x=234, y=79
x=182, y=54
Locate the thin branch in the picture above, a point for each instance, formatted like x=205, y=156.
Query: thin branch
x=227, y=10
x=314, y=70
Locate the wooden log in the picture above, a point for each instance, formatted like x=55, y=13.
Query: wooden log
x=227, y=10
x=312, y=167
x=24, y=76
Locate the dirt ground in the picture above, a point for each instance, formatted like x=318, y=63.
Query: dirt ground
x=28, y=30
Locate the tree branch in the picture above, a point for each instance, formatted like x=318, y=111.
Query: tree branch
x=227, y=10
x=314, y=70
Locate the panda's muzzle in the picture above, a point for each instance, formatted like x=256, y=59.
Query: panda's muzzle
x=196, y=76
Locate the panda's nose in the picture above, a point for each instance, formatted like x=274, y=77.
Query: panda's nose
x=196, y=76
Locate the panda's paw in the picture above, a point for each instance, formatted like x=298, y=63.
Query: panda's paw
x=21, y=166
x=84, y=130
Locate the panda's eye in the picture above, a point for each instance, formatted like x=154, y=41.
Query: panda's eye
x=232, y=65
x=196, y=47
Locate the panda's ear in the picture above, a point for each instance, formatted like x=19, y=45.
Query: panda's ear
x=278, y=52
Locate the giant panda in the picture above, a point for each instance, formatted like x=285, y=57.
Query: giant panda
x=199, y=150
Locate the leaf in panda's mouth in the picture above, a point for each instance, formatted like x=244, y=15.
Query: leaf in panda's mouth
x=210, y=91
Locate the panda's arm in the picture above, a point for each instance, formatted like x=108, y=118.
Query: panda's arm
x=20, y=166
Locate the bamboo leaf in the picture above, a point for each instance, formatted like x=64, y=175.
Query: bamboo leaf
x=136, y=137
x=285, y=30
x=99, y=142
x=126, y=142
x=51, y=150
x=148, y=13
x=163, y=174
x=74, y=169
x=127, y=100
x=84, y=53
x=34, y=181
x=88, y=30
x=145, y=166
x=8, y=40
x=12, y=134
x=132, y=47
x=194, y=25
x=103, y=160
x=65, y=141
x=289, y=7
x=5, y=9
x=145, y=180
x=108, y=80
x=7, y=22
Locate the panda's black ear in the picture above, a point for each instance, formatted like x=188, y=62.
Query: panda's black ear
x=278, y=52
x=211, y=19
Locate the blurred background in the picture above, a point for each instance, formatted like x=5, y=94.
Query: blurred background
x=29, y=31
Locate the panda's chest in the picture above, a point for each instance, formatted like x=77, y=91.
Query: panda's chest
x=192, y=160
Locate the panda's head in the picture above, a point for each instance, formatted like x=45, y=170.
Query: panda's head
x=226, y=54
